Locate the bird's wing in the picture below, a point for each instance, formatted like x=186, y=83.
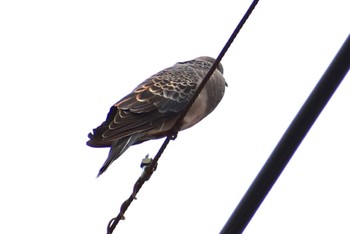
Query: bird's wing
x=151, y=106
x=166, y=91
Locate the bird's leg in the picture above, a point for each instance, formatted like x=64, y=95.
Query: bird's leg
x=172, y=134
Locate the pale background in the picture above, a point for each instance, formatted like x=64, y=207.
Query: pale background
x=64, y=63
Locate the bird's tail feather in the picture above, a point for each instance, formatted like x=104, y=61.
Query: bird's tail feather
x=118, y=147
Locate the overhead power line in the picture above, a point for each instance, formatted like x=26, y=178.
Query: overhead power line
x=290, y=141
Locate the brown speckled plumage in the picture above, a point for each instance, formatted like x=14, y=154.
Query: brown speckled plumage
x=153, y=107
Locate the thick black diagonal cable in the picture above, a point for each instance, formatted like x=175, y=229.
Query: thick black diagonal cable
x=290, y=141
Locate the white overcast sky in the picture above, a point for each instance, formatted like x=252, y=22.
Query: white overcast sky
x=64, y=63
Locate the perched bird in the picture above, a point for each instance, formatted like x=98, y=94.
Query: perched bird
x=153, y=107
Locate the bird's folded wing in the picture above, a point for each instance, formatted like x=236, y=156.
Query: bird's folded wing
x=153, y=104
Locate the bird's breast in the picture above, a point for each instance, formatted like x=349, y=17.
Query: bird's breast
x=206, y=102
x=197, y=111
